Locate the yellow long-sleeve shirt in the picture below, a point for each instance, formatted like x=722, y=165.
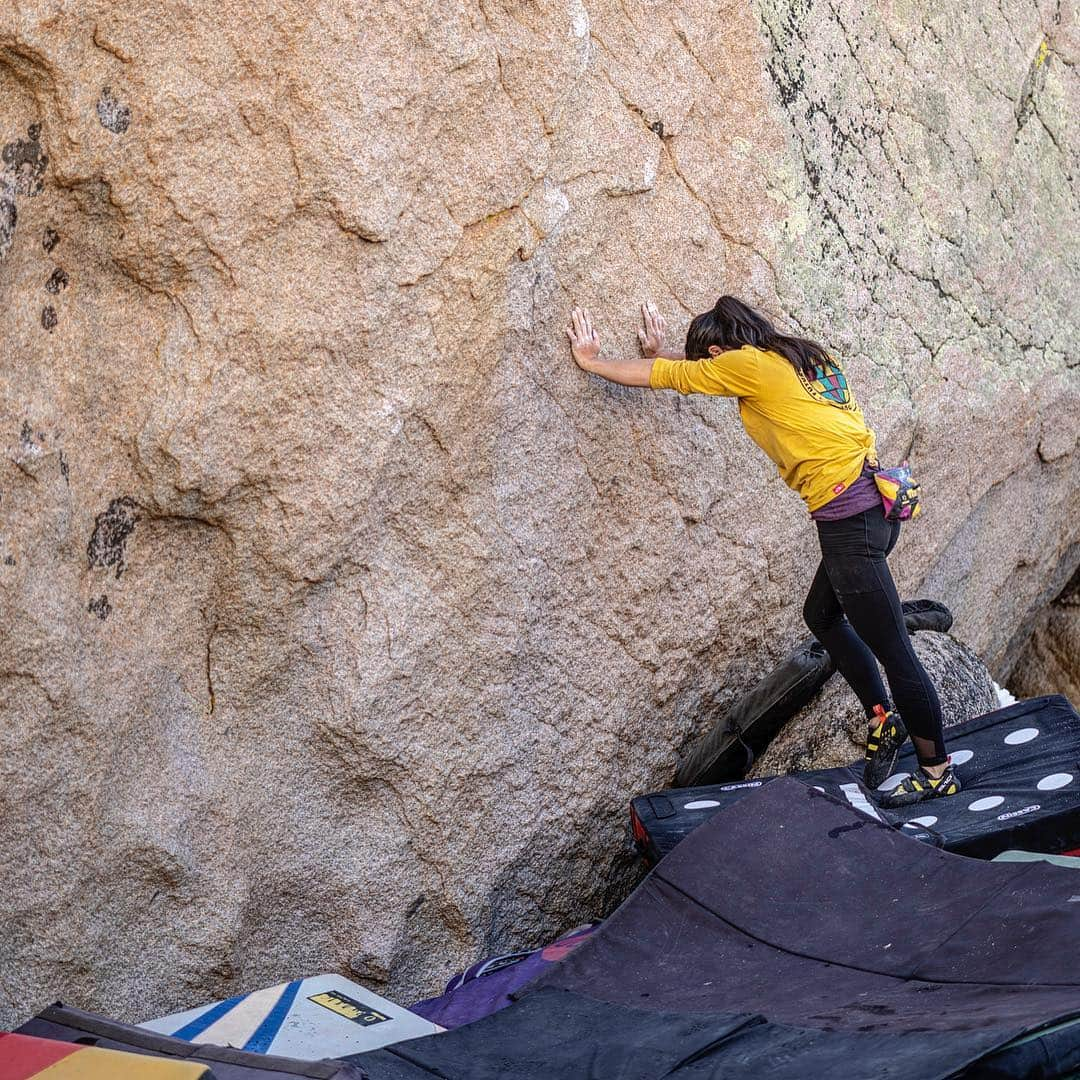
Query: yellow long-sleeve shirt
x=812, y=429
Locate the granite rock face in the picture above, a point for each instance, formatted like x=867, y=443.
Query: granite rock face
x=1050, y=662
x=341, y=614
x=831, y=730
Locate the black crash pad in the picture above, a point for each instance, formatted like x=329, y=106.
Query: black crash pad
x=1020, y=768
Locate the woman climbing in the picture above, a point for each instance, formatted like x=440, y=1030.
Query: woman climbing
x=796, y=404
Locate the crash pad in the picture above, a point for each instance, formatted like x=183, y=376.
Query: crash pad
x=791, y=936
x=486, y=986
x=1038, y=856
x=23, y=1057
x=67, y=1025
x=1020, y=768
x=317, y=1017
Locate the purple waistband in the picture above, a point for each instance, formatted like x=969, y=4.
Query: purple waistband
x=860, y=496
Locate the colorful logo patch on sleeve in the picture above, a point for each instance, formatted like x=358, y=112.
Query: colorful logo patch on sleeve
x=829, y=385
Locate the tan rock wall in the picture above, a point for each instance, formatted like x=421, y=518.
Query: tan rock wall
x=1050, y=662
x=341, y=615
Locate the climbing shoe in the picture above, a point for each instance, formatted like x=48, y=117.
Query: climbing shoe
x=920, y=786
x=882, y=747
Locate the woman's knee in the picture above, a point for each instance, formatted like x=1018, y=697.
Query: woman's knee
x=818, y=617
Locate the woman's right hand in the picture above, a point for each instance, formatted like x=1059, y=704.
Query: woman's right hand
x=584, y=340
x=651, y=335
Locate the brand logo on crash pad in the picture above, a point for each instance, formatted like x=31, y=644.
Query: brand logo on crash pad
x=349, y=1008
x=830, y=385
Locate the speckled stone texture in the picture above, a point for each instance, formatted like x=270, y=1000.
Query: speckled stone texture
x=1050, y=662
x=342, y=615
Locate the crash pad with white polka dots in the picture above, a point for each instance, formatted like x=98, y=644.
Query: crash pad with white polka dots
x=1019, y=768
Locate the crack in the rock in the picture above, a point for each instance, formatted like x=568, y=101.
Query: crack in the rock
x=108, y=47
x=35, y=680
x=209, y=669
x=717, y=223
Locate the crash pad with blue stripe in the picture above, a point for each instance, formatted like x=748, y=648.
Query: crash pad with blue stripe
x=318, y=1017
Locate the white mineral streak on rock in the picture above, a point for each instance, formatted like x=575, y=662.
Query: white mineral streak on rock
x=342, y=614
x=1004, y=696
x=580, y=26
x=579, y=19
x=545, y=207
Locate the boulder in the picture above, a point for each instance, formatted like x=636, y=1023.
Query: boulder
x=1050, y=663
x=342, y=615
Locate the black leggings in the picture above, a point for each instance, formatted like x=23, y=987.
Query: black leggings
x=853, y=609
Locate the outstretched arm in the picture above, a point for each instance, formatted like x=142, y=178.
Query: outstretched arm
x=585, y=347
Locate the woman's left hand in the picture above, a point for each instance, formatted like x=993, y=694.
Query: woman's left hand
x=584, y=340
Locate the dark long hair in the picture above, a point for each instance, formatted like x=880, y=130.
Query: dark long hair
x=732, y=324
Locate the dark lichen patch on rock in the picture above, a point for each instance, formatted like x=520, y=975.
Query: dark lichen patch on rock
x=58, y=280
x=113, y=114
x=49, y=318
x=24, y=163
x=100, y=607
x=8, y=217
x=112, y=527
x=23, y=173
x=49, y=238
